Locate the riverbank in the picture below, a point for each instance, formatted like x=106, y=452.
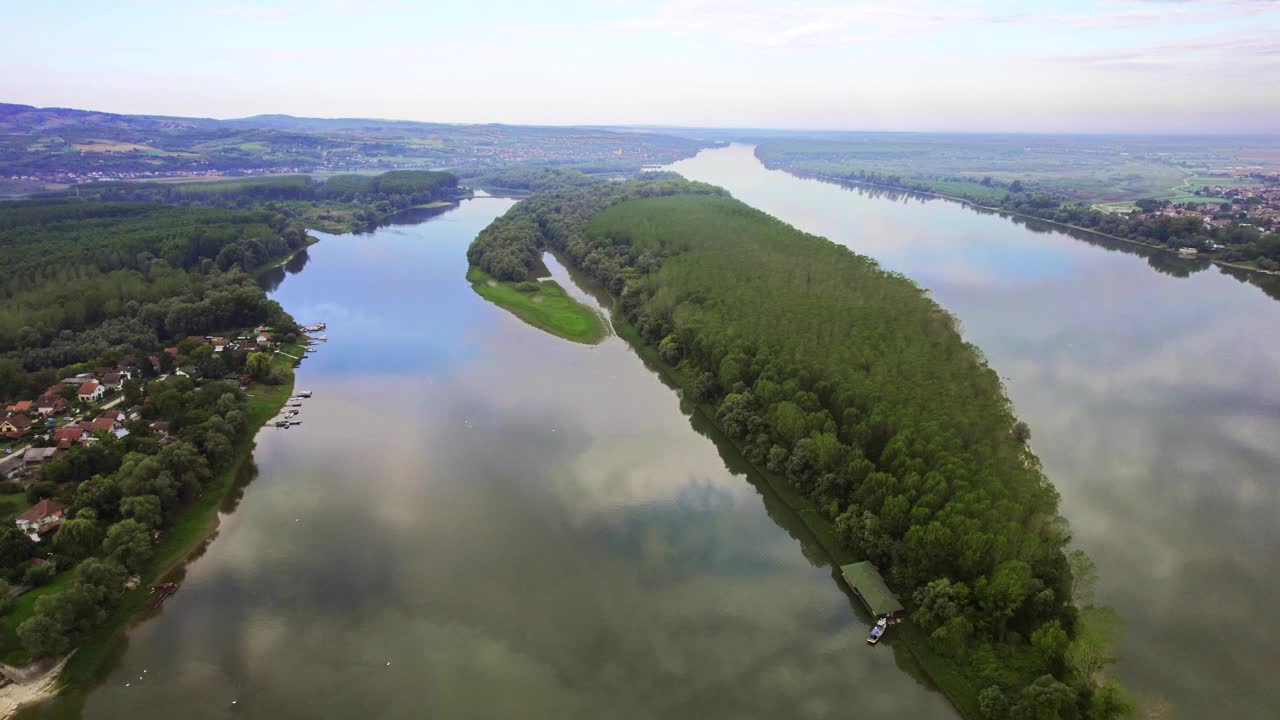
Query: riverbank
x=542, y=304
x=1013, y=213
x=194, y=527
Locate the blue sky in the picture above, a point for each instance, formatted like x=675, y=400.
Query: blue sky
x=1038, y=65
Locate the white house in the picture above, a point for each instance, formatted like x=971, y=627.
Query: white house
x=91, y=391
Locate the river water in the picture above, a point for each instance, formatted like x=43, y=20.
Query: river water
x=1154, y=404
x=479, y=520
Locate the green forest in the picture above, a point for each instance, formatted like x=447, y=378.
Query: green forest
x=81, y=280
x=851, y=383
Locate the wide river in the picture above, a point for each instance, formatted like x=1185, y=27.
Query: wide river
x=479, y=520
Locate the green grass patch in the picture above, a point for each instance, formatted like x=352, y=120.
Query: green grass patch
x=547, y=307
x=13, y=505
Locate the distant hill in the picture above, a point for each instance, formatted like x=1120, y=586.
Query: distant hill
x=66, y=145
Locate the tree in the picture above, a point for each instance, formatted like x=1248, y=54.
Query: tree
x=39, y=575
x=1110, y=701
x=993, y=704
x=5, y=590
x=1004, y=593
x=1045, y=699
x=1084, y=578
x=143, y=508
x=103, y=579
x=258, y=366
x=132, y=392
x=15, y=550
x=1050, y=642
x=42, y=636
x=1098, y=633
x=80, y=536
x=100, y=493
x=128, y=542
x=939, y=602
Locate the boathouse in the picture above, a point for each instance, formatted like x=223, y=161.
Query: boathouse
x=865, y=581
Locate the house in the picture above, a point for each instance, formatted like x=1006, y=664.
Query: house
x=15, y=426
x=114, y=415
x=44, y=517
x=91, y=391
x=112, y=380
x=22, y=406
x=102, y=425
x=264, y=339
x=35, y=456
x=865, y=581
x=71, y=434
x=51, y=405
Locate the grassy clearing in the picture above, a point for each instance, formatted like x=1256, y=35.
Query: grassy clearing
x=548, y=307
x=13, y=505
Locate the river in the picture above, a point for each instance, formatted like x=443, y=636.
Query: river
x=1154, y=404
x=480, y=520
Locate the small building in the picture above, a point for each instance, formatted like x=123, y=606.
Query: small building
x=35, y=456
x=41, y=518
x=1188, y=252
x=102, y=424
x=15, y=426
x=72, y=434
x=91, y=391
x=865, y=581
x=10, y=465
x=113, y=380
x=51, y=405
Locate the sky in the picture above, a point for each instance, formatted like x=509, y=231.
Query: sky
x=1169, y=66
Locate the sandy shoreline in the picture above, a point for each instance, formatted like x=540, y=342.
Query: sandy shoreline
x=15, y=696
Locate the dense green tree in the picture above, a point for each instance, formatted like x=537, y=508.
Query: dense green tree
x=128, y=542
x=1045, y=699
x=43, y=636
x=15, y=550
x=80, y=536
x=145, y=509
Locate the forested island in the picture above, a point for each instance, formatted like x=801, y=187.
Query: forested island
x=855, y=395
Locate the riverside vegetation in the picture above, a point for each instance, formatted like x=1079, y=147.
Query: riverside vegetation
x=110, y=284
x=846, y=385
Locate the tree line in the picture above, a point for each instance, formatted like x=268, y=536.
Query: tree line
x=80, y=279
x=858, y=388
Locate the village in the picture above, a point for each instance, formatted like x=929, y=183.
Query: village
x=108, y=401
x=1250, y=206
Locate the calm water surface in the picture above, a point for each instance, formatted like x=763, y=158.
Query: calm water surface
x=1154, y=403
x=479, y=520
